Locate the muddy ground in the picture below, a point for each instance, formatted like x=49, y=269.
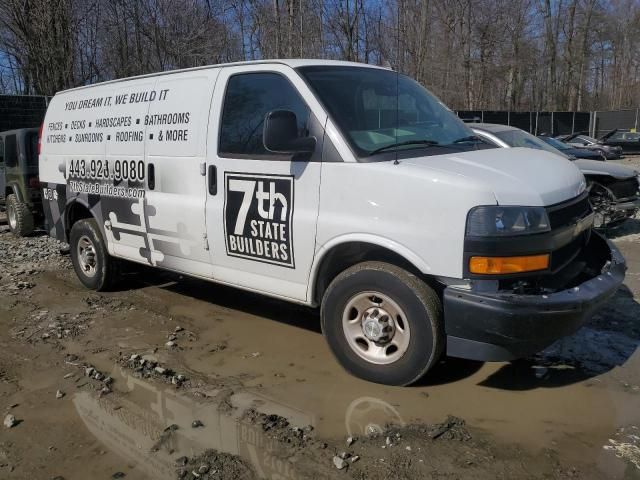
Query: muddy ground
x=170, y=377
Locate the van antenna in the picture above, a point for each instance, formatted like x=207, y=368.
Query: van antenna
x=396, y=162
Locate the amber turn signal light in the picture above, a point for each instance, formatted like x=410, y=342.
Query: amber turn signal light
x=501, y=265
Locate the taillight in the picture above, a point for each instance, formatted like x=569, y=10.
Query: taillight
x=34, y=182
x=40, y=137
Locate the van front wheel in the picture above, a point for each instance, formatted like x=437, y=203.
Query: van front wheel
x=95, y=268
x=383, y=323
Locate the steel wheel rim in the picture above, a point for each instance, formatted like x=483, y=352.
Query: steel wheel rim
x=376, y=327
x=13, y=220
x=87, y=256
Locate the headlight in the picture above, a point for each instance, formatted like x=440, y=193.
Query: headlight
x=494, y=220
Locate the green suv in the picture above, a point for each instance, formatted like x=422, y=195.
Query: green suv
x=19, y=185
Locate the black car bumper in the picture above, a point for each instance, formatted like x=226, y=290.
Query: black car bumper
x=502, y=326
x=614, y=153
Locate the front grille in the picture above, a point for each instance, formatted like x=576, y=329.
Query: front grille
x=624, y=188
x=561, y=257
x=567, y=213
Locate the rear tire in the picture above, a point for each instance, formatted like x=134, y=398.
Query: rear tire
x=382, y=323
x=95, y=268
x=19, y=217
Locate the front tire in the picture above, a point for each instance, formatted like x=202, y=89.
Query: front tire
x=19, y=216
x=95, y=268
x=382, y=323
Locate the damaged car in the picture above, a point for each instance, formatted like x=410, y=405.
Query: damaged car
x=627, y=140
x=614, y=190
x=580, y=140
x=571, y=151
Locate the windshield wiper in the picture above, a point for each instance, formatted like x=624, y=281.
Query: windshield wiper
x=430, y=143
x=470, y=138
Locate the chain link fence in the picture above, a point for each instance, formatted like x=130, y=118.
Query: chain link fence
x=536, y=123
x=596, y=124
x=603, y=122
x=21, y=111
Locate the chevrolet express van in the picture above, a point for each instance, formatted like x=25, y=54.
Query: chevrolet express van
x=331, y=184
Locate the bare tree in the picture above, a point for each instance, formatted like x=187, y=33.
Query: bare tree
x=474, y=54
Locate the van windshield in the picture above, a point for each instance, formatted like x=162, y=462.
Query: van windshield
x=381, y=111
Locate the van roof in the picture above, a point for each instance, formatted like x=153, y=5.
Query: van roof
x=293, y=63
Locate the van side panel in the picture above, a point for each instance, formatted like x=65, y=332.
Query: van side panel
x=67, y=135
x=94, y=149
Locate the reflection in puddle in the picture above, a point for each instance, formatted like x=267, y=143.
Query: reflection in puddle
x=368, y=416
x=140, y=426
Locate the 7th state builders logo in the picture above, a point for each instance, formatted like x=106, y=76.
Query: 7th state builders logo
x=257, y=217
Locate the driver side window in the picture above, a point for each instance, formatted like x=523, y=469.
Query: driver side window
x=248, y=99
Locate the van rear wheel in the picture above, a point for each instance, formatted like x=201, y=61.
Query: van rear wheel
x=383, y=323
x=19, y=216
x=95, y=268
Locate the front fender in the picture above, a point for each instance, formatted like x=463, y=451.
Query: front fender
x=15, y=189
x=375, y=240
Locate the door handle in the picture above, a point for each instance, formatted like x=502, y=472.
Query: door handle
x=151, y=176
x=213, y=180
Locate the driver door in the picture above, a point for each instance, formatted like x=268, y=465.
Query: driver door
x=262, y=207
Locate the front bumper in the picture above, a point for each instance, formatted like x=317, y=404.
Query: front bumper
x=500, y=326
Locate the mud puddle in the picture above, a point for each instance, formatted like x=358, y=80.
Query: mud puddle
x=570, y=412
x=160, y=433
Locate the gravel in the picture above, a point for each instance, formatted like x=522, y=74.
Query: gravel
x=213, y=464
x=339, y=462
x=10, y=421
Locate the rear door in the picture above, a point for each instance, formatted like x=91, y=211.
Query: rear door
x=176, y=142
x=3, y=182
x=262, y=207
x=32, y=182
x=11, y=165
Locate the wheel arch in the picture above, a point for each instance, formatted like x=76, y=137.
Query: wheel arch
x=75, y=210
x=339, y=254
x=13, y=188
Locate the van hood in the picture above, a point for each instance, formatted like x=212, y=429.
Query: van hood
x=595, y=167
x=516, y=176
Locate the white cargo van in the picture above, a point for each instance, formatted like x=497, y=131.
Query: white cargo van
x=330, y=184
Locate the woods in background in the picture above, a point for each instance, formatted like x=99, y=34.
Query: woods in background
x=473, y=54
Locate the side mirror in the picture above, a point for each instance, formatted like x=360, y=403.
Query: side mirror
x=280, y=134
